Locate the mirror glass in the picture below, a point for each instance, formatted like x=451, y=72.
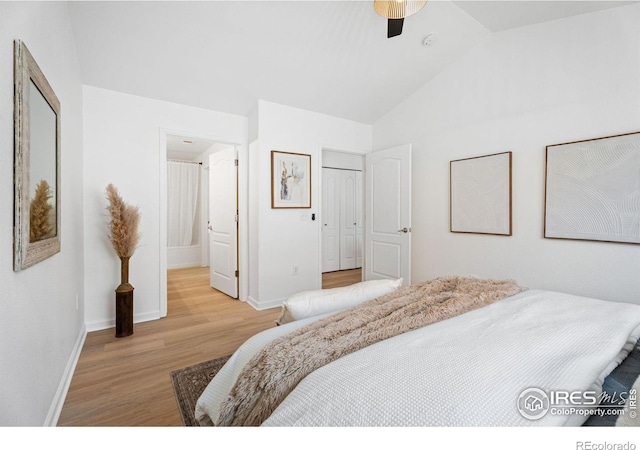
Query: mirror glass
x=36, y=178
x=42, y=167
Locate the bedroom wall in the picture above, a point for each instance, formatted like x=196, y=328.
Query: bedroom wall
x=287, y=238
x=254, y=222
x=122, y=146
x=519, y=91
x=41, y=307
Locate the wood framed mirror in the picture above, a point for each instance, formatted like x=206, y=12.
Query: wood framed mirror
x=36, y=163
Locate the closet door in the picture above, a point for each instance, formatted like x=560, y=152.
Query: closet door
x=330, y=220
x=348, y=221
x=359, y=201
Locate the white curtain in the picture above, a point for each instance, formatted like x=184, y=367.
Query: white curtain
x=182, y=202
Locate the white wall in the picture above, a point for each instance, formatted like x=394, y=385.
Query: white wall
x=122, y=135
x=42, y=323
x=284, y=238
x=254, y=222
x=519, y=91
x=341, y=160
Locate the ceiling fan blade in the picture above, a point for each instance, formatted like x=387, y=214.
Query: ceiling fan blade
x=394, y=27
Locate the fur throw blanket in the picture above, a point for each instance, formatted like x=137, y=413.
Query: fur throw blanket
x=277, y=369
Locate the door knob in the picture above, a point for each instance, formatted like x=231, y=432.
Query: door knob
x=404, y=230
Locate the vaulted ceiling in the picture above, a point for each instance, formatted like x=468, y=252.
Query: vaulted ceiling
x=331, y=57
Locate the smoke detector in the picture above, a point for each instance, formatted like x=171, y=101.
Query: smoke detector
x=430, y=40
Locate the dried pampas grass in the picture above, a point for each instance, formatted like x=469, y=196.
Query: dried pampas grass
x=123, y=228
x=41, y=213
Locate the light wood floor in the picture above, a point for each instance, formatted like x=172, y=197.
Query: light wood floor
x=126, y=382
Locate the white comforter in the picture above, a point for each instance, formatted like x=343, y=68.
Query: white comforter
x=464, y=371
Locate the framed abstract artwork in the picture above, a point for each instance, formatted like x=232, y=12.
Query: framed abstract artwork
x=480, y=194
x=290, y=180
x=592, y=190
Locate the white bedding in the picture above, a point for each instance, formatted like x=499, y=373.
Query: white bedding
x=464, y=371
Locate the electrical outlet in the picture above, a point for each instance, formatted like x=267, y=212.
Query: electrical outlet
x=295, y=270
x=77, y=303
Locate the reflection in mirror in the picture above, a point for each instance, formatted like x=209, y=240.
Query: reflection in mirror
x=42, y=167
x=37, y=163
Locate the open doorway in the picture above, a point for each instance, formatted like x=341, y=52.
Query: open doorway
x=196, y=189
x=187, y=209
x=342, y=218
x=383, y=243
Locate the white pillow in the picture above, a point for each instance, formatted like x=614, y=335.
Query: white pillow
x=312, y=303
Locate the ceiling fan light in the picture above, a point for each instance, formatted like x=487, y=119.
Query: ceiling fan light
x=397, y=9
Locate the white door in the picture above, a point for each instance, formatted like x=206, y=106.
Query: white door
x=348, y=219
x=223, y=225
x=330, y=220
x=388, y=214
x=359, y=219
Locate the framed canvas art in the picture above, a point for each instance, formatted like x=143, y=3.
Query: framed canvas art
x=480, y=194
x=592, y=190
x=290, y=180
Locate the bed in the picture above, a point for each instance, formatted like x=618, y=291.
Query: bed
x=477, y=359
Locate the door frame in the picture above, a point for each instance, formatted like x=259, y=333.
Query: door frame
x=243, y=209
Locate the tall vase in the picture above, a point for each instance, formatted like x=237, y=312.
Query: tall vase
x=124, y=301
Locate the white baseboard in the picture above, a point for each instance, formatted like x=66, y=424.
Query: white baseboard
x=111, y=323
x=61, y=394
x=260, y=306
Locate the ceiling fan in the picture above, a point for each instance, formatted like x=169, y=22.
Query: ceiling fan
x=396, y=11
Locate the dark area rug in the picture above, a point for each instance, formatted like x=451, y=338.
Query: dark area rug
x=190, y=382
